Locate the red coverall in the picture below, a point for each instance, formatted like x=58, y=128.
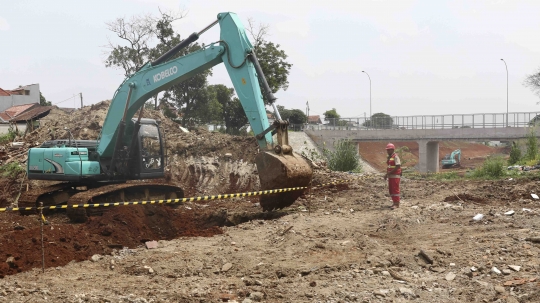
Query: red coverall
x=394, y=178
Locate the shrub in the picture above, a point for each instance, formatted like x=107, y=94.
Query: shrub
x=344, y=157
x=11, y=170
x=532, y=146
x=493, y=168
x=9, y=137
x=515, y=154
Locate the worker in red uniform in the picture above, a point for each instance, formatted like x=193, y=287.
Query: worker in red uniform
x=393, y=174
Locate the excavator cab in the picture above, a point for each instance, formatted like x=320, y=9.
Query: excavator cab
x=147, y=153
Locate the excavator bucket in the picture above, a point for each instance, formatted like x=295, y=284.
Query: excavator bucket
x=282, y=171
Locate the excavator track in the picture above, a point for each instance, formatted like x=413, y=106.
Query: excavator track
x=49, y=195
x=112, y=193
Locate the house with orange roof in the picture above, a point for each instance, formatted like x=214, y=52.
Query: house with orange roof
x=22, y=95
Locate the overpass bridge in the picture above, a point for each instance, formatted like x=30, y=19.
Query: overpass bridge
x=427, y=131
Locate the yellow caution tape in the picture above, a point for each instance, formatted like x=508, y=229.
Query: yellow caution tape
x=178, y=200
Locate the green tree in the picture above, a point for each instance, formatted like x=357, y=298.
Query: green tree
x=43, y=101
x=379, y=120
x=533, y=82
x=271, y=58
x=331, y=114
x=283, y=112
x=297, y=117
x=232, y=112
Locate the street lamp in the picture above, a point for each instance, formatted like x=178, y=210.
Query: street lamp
x=506, y=91
x=369, y=95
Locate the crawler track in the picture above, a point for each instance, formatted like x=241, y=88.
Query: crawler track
x=118, y=193
x=50, y=195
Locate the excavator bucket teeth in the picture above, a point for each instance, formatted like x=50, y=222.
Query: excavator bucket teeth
x=282, y=171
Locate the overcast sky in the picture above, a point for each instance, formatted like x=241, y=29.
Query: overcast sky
x=424, y=57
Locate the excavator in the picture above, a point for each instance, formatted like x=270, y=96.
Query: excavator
x=452, y=160
x=130, y=149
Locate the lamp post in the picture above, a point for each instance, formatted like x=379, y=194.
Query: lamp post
x=371, y=122
x=506, y=91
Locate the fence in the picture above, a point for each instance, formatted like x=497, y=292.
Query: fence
x=484, y=120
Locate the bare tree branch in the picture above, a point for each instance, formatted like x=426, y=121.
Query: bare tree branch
x=258, y=33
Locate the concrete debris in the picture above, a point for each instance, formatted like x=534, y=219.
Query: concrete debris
x=478, y=217
x=450, y=276
x=495, y=270
x=514, y=267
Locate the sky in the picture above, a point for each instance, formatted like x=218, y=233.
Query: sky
x=424, y=57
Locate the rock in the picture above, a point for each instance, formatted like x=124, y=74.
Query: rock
x=485, y=284
x=246, y=300
x=228, y=155
x=406, y=291
x=495, y=270
x=506, y=271
x=500, y=289
x=256, y=296
x=381, y=292
x=385, y=273
x=226, y=267
x=150, y=269
x=450, y=276
x=452, y=264
x=95, y=258
x=151, y=244
x=514, y=267
x=10, y=260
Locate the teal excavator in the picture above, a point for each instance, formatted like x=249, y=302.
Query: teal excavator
x=452, y=160
x=132, y=148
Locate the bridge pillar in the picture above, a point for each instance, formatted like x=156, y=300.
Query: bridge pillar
x=428, y=158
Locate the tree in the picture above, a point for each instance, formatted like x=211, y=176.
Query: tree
x=232, y=112
x=137, y=32
x=533, y=82
x=379, y=120
x=297, y=117
x=271, y=58
x=294, y=116
x=331, y=114
x=43, y=101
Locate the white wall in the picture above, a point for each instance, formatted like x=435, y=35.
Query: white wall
x=9, y=101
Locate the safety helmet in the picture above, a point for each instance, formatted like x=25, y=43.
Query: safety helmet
x=390, y=146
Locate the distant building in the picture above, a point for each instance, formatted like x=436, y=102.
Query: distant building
x=22, y=117
x=314, y=119
x=28, y=94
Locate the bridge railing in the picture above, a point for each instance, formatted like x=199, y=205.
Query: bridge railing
x=484, y=120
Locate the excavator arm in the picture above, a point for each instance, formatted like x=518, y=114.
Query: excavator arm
x=234, y=50
x=277, y=165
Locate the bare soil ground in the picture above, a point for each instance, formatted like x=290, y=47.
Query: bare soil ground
x=337, y=243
